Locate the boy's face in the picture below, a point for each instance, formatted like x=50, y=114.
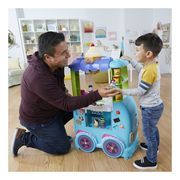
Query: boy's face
x=140, y=53
x=143, y=55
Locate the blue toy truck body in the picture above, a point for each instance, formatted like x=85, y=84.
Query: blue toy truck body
x=109, y=124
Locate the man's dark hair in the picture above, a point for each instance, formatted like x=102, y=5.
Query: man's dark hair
x=151, y=42
x=47, y=41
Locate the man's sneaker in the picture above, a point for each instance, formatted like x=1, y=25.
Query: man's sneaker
x=17, y=142
x=144, y=147
x=144, y=164
x=70, y=139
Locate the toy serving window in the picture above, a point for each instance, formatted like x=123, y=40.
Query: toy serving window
x=97, y=119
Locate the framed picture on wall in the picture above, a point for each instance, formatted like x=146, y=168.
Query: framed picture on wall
x=88, y=27
x=112, y=36
x=100, y=32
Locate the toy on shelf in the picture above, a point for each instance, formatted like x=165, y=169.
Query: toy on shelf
x=111, y=124
x=119, y=76
x=90, y=88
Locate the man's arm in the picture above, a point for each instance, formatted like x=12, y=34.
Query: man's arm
x=52, y=94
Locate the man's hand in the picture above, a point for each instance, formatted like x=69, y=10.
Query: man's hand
x=108, y=92
x=126, y=58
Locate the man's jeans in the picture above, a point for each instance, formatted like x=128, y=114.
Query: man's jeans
x=50, y=137
x=150, y=119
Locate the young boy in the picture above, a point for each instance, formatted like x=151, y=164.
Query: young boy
x=148, y=47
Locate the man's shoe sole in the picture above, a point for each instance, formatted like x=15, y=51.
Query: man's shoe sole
x=13, y=142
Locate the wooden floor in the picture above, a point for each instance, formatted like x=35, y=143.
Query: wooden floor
x=34, y=160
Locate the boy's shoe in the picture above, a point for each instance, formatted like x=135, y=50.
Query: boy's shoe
x=144, y=164
x=17, y=142
x=144, y=147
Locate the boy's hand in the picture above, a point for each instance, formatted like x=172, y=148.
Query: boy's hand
x=126, y=58
x=119, y=90
x=108, y=92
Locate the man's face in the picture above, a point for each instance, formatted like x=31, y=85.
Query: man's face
x=140, y=53
x=60, y=58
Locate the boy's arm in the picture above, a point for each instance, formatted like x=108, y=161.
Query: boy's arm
x=136, y=65
x=139, y=91
x=148, y=77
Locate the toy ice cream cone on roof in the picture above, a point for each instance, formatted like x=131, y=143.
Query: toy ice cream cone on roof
x=93, y=54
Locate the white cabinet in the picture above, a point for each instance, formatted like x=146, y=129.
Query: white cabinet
x=31, y=29
x=165, y=54
x=165, y=60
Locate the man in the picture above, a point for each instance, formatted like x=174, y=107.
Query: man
x=46, y=105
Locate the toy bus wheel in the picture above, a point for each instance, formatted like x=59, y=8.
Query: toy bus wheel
x=86, y=143
x=113, y=147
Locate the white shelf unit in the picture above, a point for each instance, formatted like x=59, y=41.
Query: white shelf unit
x=31, y=29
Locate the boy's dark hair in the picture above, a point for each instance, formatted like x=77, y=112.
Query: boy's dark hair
x=151, y=42
x=47, y=41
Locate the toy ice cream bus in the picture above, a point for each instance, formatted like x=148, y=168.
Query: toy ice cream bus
x=111, y=124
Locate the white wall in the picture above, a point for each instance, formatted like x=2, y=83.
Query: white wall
x=140, y=21
x=136, y=22
x=15, y=51
x=126, y=22
x=117, y=20
x=112, y=19
x=162, y=15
